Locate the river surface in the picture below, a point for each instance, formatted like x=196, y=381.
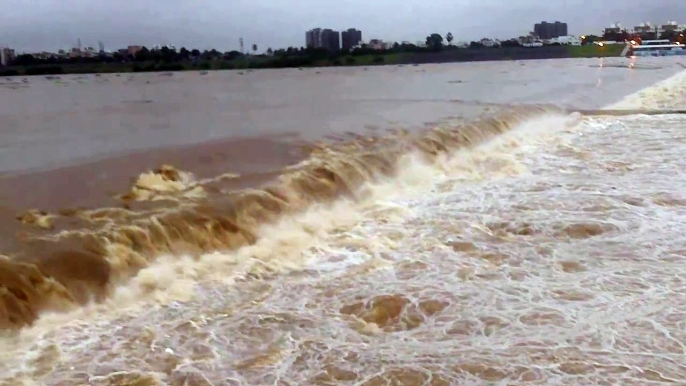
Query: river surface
x=74, y=118
x=535, y=246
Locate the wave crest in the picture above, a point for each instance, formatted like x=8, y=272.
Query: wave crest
x=76, y=266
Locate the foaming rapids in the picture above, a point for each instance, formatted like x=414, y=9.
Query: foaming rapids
x=80, y=265
x=322, y=228
x=663, y=95
x=163, y=183
x=534, y=248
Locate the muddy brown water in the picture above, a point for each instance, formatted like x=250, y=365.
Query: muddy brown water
x=500, y=234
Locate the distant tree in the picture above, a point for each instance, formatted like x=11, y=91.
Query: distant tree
x=408, y=47
x=671, y=35
x=25, y=60
x=143, y=55
x=588, y=39
x=270, y=51
x=396, y=46
x=155, y=55
x=118, y=57
x=616, y=36
x=184, y=54
x=254, y=47
x=474, y=45
x=231, y=55
x=510, y=43
x=434, y=41
x=169, y=55
x=195, y=52
x=449, y=38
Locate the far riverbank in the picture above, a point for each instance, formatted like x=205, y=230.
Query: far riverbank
x=452, y=55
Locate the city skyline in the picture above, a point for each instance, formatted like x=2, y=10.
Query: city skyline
x=218, y=25
x=323, y=38
x=348, y=39
x=214, y=24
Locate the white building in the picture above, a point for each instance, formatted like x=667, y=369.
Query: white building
x=6, y=56
x=490, y=42
x=566, y=40
x=530, y=41
x=378, y=44
x=160, y=46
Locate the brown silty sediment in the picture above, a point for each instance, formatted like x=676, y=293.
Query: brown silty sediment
x=65, y=257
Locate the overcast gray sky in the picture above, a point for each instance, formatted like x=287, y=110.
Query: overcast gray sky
x=33, y=25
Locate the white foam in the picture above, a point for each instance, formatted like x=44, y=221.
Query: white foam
x=667, y=94
x=491, y=230
x=312, y=237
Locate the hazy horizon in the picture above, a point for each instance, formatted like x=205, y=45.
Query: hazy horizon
x=51, y=24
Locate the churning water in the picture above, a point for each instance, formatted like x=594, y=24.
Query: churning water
x=549, y=251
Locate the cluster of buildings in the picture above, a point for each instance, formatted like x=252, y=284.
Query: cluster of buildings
x=544, y=33
x=644, y=28
x=349, y=39
x=7, y=55
x=556, y=33
x=331, y=40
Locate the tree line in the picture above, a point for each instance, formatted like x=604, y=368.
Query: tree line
x=169, y=55
x=169, y=59
x=433, y=42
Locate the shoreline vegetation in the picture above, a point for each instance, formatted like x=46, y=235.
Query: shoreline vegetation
x=166, y=60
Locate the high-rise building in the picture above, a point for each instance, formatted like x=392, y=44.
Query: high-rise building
x=312, y=38
x=560, y=29
x=671, y=26
x=6, y=56
x=351, y=38
x=330, y=40
x=546, y=30
x=309, y=40
x=323, y=38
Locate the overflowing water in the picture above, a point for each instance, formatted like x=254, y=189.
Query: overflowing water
x=549, y=251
